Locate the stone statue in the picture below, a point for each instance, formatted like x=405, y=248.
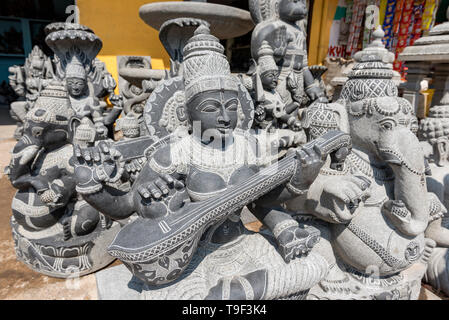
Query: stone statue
x=84, y=76
x=434, y=132
x=429, y=55
x=375, y=210
x=271, y=111
x=55, y=231
x=281, y=24
x=27, y=81
x=204, y=166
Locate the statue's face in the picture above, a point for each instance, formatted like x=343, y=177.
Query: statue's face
x=37, y=65
x=76, y=86
x=213, y=114
x=270, y=80
x=44, y=134
x=292, y=10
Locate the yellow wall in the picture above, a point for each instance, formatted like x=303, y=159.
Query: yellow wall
x=119, y=26
x=322, y=17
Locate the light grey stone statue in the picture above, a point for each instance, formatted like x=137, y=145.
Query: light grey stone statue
x=76, y=47
x=203, y=167
x=55, y=231
x=373, y=214
x=427, y=54
x=27, y=81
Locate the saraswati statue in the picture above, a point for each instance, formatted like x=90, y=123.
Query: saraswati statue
x=188, y=241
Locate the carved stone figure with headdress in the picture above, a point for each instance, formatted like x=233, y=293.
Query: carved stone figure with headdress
x=27, y=81
x=282, y=24
x=271, y=111
x=76, y=47
x=203, y=167
x=55, y=231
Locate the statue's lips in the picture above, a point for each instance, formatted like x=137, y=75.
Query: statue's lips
x=223, y=129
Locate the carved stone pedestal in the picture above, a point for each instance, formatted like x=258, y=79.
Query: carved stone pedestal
x=248, y=268
x=47, y=252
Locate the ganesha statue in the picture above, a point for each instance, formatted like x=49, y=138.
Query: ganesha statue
x=374, y=212
x=55, y=231
x=203, y=166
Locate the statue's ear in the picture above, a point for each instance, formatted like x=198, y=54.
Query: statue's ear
x=74, y=122
x=442, y=150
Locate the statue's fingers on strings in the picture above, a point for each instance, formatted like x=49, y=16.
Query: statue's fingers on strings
x=78, y=153
x=96, y=154
x=162, y=185
x=154, y=190
x=144, y=192
x=87, y=155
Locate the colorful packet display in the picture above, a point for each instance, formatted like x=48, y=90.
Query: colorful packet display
x=404, y=29
x=428, y=18
x=355, y=30
x=416, y=31
x=387, y=25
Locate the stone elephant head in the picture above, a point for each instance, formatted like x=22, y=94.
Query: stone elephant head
x=46, y=127
x=385, y=129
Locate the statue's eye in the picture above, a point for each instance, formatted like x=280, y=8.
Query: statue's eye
x=37, y=131
x=231, y=106
x=388, y=125
x=208, y=108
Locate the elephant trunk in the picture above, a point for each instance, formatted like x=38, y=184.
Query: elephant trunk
x=409, y=212
x=24, y=152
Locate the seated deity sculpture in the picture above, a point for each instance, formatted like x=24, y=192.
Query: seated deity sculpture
x=373, y=214
x=281, y=24
x=27, y=81
x=85, y=77
x=55, y=231
x=188, y=240
x=271, y=111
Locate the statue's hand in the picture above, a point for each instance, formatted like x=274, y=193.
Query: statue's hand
x=97, y=165
x=260, y=113
x=160, y=187
x=293, y=241
x=109, y=83
x=116, y=100
x=309, y=164
x=347, y=195
x=315, y=92
x=281, y=41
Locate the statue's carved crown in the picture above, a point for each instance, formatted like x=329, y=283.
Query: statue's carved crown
x=205, y=65
x=372, y=75
x=52, y=106
x=266, y=60
x=75, y=68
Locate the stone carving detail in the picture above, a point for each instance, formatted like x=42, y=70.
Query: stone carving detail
x=85, y=77
x=374, y=238
x=55, y=231
x=203, y=167
x=281, y=24
x=430, y=53
x=27, y=81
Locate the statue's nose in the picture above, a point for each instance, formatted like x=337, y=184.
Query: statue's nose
x=223, y=118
